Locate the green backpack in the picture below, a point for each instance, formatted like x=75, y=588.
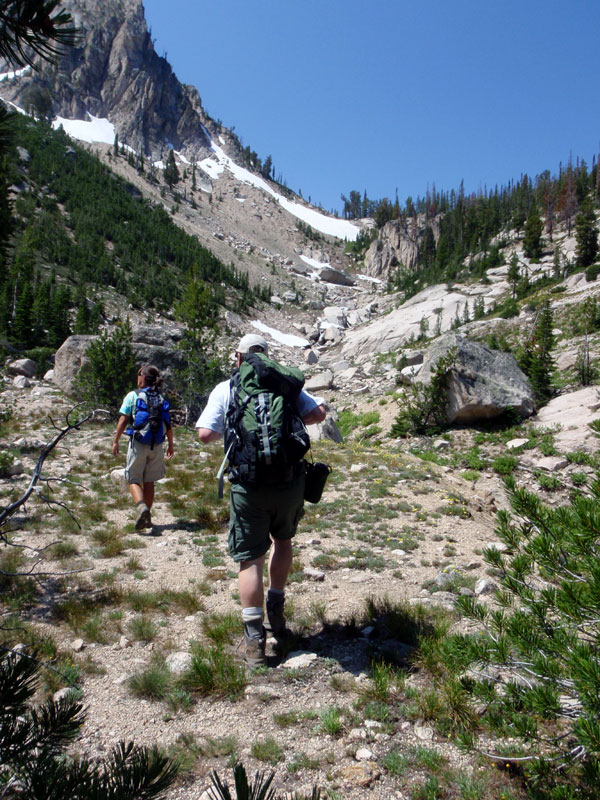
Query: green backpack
x=264, y=432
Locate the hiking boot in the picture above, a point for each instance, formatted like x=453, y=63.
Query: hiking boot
x=275, y=621
x=254, y=651
x=144, y=520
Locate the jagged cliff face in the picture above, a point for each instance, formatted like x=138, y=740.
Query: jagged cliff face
x=398, y=244
x=116, y=72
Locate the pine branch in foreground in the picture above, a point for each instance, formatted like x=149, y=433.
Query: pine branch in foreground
x=32, y=747
x=535, y=667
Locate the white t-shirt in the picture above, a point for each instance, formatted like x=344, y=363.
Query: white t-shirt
x=213, y=416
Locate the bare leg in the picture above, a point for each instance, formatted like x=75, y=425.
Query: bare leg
x=250, y=583
x=280, y=562
x=136, y=493
x=143, y=500
x=149, y=494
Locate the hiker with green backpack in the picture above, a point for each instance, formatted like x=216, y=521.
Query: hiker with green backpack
x=262, y=413
x=145, y=418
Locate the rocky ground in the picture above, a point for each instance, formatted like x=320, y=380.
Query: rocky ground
x=395, y=526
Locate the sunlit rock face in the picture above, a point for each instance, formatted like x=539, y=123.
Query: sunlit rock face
x=115, y=73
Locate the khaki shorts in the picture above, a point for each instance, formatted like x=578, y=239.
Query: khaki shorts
x=144, y=464
x=259, y=512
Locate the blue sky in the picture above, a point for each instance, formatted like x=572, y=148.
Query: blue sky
x=389, y=95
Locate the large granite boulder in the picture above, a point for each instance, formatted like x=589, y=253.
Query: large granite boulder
x=390, y=332
x=337, y=276
x=327, y=429
x=151, y=345
x=334, y=315
x=167, y=358
x=156, y=335
x=483, y=383
x=69, y=359
x=22, y=366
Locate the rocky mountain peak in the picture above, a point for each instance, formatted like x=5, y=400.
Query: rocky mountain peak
x=115, y=72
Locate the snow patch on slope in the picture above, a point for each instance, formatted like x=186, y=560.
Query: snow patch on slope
x=283, y=338
x=340, y=228
x=92, y=130
x=101, y=130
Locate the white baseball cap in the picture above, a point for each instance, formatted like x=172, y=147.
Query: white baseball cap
x=250, y=341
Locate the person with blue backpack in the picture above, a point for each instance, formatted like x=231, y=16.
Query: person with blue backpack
x=261, y=413
x=144, y=417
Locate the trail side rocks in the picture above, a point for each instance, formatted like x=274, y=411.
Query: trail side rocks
x=573, y=413
x=23, y=367
x=482, y=384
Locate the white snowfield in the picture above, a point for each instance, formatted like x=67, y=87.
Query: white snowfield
x=92, y=130
x=340, y=228
x=101, y=130
x=283, y=338
x=312, y=262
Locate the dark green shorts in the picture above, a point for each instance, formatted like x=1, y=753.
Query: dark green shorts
x=259, y=511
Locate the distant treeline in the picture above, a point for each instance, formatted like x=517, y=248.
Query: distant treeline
x=468, y=222
x=75, y=227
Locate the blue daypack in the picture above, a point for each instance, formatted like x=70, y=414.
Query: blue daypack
x=149, y=424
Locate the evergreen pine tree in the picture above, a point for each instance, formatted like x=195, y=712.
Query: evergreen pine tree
x=171, y=174
x=198, y=309
x=586, y=234
x=34, y=741
x=22, y=327
x=465, y=317
x=28, y=30
x=557, y=267
x=532, y=241
x=478, y=307
x=109, y=372
x=59, y=328
x=82, y=318
x=535, y=357
x=514, y=273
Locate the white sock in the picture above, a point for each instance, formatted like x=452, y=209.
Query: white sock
x=252, y=617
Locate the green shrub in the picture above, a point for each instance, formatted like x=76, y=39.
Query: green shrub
x=110, y=368
x=424, y=406
x=267, y=749
x=349, y=422
x=152, y=683
x=533, y=668
x=579, y=478
x=42, y=357
x=142, y=628
x=505, y=464
x=591, y=272
x=332, y=721
x=474, y=460
x=548, y=482
x=214, y=672
x=6, y=462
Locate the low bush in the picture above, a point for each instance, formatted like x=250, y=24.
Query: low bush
x=532, y=669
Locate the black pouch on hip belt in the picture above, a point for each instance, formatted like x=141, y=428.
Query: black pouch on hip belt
x=316, y=477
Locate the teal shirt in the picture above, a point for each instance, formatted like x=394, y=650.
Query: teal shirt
x=128, y=405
